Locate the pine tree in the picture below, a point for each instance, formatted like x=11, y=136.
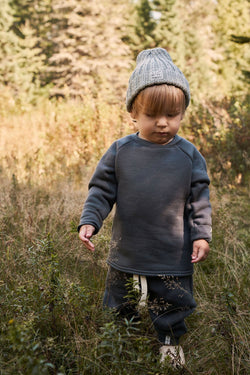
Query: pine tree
x=242, y=40
x=8, y=40
x=20, y=59
x=142, y=37
x=195, y=53
x=183, y=29
x=232, y=18
x=88, y=55
x=38, y=13
x=198, y=36
x=167, y=30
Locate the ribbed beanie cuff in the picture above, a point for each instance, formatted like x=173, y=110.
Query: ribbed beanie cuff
x=155, y=67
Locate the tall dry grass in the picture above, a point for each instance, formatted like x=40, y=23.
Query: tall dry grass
x=51, y=288
x=58, y=138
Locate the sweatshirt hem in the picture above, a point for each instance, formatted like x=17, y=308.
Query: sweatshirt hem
x=134, y=271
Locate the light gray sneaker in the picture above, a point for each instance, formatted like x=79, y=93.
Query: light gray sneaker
x=173, y=355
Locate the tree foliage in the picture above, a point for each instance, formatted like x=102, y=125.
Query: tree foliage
x=74, y=47
x=231, y=18
x=21, y=59
x=140, y=30
x=198, y=36
x=87, y=52
x=80, y=47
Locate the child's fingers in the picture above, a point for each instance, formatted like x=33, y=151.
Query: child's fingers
x=87, y=243
x=85, y=234
x=195, y=255
x=198, y=256
x=200, y=251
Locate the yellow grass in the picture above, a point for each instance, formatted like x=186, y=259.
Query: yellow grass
x=58, y=139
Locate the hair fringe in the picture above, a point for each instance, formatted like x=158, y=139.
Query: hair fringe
x=159, y=99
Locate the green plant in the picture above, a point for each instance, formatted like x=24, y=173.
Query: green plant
x=25, y=348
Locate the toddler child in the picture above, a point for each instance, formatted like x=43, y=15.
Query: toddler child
x=159, y=183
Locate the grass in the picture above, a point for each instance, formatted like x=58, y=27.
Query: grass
x=52, y=320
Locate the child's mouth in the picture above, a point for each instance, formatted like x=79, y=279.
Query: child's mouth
x=162, y=133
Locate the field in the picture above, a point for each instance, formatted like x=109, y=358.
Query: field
x=52, y=320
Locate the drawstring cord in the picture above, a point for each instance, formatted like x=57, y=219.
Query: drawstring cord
x=141, y=280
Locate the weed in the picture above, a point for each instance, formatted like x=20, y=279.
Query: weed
x=51, y=287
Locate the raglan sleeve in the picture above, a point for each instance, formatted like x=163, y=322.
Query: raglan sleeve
x=199, y=207
x=102, y=191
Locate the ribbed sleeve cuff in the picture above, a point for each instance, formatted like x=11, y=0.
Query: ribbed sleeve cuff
x=201, y=232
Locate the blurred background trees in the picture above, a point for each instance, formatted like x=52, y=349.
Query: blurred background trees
x=86, y=49
x=75, y=46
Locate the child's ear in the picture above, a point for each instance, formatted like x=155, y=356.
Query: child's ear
x=133, y=118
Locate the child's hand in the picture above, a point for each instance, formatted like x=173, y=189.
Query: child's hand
x=85, y=233
x=200, y=251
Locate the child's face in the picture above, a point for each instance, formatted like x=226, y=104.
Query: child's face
x=158, y=128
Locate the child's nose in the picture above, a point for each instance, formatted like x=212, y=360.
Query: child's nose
x=162, y=121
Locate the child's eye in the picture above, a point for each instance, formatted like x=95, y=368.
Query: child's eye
x=172, y=114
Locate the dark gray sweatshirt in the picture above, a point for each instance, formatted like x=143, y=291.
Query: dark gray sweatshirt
x=162, y=204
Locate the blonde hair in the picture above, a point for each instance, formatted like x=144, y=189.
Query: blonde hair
x=159, y=99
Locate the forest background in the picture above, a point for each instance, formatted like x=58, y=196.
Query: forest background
x=64, y=68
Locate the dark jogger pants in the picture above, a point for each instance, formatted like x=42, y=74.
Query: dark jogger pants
x=169, y=301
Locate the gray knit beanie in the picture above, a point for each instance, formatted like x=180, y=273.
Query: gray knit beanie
x=155, y=67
